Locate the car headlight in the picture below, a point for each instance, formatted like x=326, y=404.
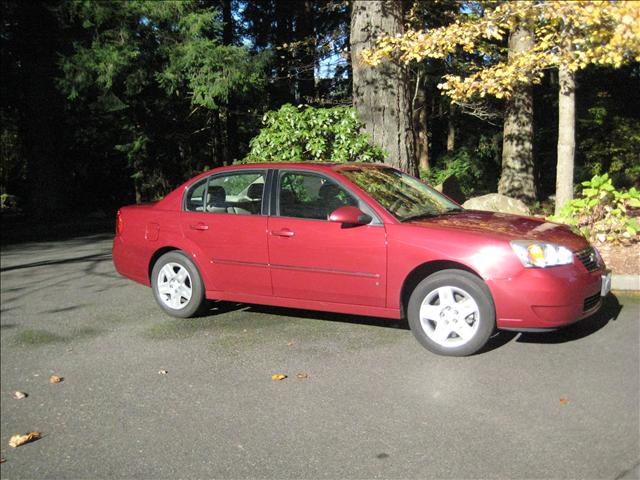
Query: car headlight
x=539, y=254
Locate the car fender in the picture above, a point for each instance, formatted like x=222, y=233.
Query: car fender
x=411, y=253
x=176, y=241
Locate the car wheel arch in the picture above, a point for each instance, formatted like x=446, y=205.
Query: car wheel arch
x=170, y=248
x=421, y=272
x=156, y=255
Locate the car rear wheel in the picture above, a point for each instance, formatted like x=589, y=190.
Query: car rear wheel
x=451, y=313
x=177, y=285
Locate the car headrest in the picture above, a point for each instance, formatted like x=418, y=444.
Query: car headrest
x=255, y=191
x=217, y=196
x=329, y=191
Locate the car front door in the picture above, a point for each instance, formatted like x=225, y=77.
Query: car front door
x=312, y=258
x=224, y=216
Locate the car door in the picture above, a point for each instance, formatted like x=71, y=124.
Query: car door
x=314, y=259
x=224, y=216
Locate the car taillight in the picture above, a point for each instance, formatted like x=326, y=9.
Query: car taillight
x=119, y=223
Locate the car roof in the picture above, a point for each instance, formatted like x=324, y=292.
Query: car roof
x=334, y=166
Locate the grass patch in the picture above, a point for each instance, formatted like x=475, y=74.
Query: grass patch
x=179, y=329
x=310, y=335
x=36, y=338
x=227, y=323
x=84, y=333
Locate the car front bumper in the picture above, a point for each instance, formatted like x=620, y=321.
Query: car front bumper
x=547, y=298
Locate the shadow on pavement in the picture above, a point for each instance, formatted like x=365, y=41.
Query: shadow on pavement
x=609, y=312
x=223, y=307
x=98, y=257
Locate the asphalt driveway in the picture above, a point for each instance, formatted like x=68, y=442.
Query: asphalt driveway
x=374, y=404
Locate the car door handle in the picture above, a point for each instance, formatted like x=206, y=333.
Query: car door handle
x=199, y=226
x=285, y=232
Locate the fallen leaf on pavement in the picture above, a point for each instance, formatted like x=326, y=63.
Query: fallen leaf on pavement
x=290, y=344
x=302, y=375
x=55, y=379
x=564, y=401
x=278, y=376
x=163, y=372
x=2, y=460
x=18, y=440
x=18, y=395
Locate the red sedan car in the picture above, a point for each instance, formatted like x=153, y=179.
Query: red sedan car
x=359, y=239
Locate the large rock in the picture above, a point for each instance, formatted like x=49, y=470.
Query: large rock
x=495, y=202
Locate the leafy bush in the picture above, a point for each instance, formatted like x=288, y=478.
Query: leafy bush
x=603, y=213
x=467, y=168
x=308, y=134
x=8, y=202
x=608, y=139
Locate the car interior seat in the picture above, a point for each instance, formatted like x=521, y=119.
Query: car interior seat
x=217, y=202
x=216, y=199
x=255, y=195
x=330, y=198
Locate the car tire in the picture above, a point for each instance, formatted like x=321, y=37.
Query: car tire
x=177, y=285
x=451, y=312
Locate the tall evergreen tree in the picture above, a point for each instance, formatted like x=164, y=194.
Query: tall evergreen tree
x=31, y=39
x=164, y=70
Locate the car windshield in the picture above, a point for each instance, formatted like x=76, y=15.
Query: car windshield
x=405, y=197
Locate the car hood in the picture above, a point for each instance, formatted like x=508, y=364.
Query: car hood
x=505, y=226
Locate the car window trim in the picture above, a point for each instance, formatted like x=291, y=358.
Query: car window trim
x=274, y=210
x=189, y=190
x=264, y=171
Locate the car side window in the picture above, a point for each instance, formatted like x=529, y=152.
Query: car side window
x=236, y=193
x=195, y=197
x=308, y=195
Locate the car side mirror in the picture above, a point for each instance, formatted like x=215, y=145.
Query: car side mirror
x=349, y=215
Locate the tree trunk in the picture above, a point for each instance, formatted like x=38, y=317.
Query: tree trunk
x=517, y=179
x=231, y=124
x=283, y=34
x=419, y=108
x=39, y=114
x=451, y=129
x=306, y=63
x=227, y=19
x=566, y=137
x=382, y=95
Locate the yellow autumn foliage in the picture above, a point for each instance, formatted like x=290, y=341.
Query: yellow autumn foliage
x=570, y=33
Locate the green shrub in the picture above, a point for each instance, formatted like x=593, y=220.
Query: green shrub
x=608, y=142
x=8, y=203
x=308, y=134
x=466, y=167
x=602, y=213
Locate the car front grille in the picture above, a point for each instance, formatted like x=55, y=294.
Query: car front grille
x=590, y=302
x=589, y=259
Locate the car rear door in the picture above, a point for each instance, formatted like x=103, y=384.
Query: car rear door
x=225, y=216
x=312, y=258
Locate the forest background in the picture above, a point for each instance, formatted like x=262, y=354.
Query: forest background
x=109, y=103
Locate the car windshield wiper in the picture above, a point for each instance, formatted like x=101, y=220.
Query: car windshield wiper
x=452, y=211
x=416, y=216
x=431, y=214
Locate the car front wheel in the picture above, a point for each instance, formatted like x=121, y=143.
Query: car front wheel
x=451, y=313
x=177, y=286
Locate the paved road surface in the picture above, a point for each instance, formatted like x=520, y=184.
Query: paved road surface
x=374, y=405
